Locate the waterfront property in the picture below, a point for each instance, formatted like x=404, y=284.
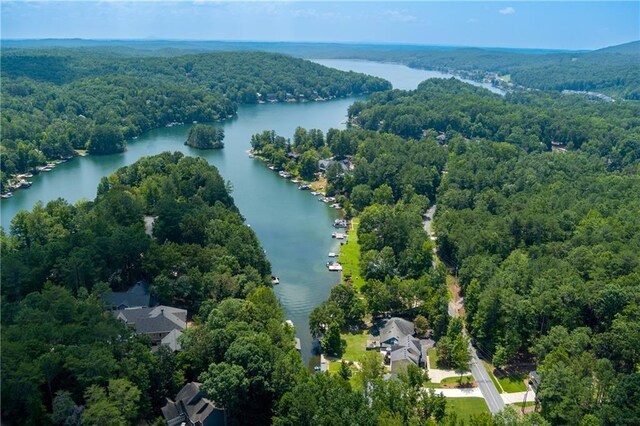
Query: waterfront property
x=395, y=338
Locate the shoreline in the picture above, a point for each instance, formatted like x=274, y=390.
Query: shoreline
x=50, y=164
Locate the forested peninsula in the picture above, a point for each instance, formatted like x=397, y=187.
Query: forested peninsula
x=57, y=101
x=67, y=361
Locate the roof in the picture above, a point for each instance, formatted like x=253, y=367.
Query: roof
x=408, y=348
x=396, y=328
x=171, y=340
x=136, y=296
x=325, y=164
x=405, y=354
x=427, y=344
x=161, y=319
x=192, y=404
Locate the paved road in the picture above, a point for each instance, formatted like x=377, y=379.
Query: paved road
x=426, y=223
x=488, y=389
x=428, y=218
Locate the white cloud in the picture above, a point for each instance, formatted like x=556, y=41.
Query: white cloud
x=507, y=11
x=399, y=16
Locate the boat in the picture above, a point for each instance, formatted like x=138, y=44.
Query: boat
x=304, y=187
x=334, y=266
x=295, y=180
x=338, y=235
x=340, y=223
x=7, y=195
x=332, y=254
x=284, y=174
x=275, y=280
x=336, y=206
x=314, y=193
x=25, y=183
x=251, y=155
x=27, y=175
x=271, y=167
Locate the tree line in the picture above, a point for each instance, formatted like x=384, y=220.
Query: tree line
x=545, y=243
x=56, y=101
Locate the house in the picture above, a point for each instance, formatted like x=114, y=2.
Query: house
x=192, y=408
x=163, y=324
x=393, y=329
x=136, y=297
x=396, y=339
x=323, y=165
x=442, y=138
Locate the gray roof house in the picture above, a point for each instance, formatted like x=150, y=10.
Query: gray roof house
x=137, y=296
x=192, y=408
x=324, y=165
x=397, y=336
x=393, y=329
x=163, y=324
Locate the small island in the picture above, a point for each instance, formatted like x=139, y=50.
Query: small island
x=202, y=136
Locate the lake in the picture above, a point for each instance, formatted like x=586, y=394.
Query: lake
x=293, y=227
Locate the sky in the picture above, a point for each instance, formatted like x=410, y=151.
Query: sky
x=517, y=24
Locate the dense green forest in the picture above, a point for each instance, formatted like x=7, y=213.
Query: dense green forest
x=613, y=70
x=59, y=348
x=538, y=201
x=532, y=121
x=55, y=101
x=545, y=243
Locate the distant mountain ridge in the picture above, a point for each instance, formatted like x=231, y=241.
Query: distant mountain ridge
x=633, y=47
x=613, y=70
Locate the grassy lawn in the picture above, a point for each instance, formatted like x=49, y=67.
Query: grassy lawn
x=356, y=347
x=506, y=384
x=433, y=385
x=350, y=257
x=513, y=384
x=520, y=404
x=489, y=369
x=465, y=379
x=466, y=407
x=433, y=358
x=319, y=185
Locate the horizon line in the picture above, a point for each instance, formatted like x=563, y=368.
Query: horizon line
x=371, y=43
